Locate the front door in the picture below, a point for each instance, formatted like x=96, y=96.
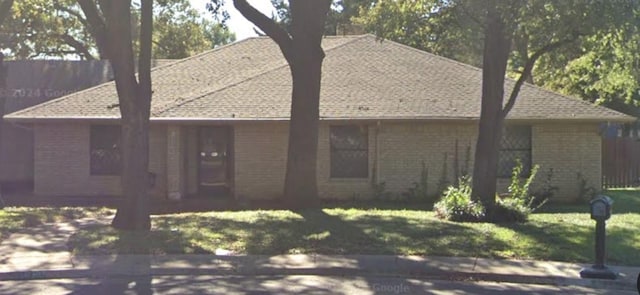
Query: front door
x=214, y=161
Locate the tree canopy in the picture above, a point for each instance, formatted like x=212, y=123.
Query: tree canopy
x=62, y=28
x=599, y=63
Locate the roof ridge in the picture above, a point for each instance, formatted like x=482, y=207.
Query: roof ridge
x=248, y=78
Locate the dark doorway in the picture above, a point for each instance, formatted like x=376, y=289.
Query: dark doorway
x=215, y=161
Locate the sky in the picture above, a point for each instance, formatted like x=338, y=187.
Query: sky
x=237, y=23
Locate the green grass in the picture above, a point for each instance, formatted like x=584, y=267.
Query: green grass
x=561, y=233
x=13, y=219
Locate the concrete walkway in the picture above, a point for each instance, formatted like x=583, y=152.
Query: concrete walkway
x=42, y=253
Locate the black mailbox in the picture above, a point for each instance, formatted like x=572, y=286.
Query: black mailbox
x=601, y=208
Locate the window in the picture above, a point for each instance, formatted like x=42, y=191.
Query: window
x=515, y=144
x=349, y=152
x=105, y=150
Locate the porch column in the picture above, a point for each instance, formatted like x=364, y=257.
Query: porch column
x=175, y=163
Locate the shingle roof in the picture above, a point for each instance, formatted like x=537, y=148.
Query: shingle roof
x=363, y=78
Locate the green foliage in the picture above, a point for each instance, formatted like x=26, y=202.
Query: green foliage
x=380, y=191
x=456, y=204
x=546, y=191
x=43, y=28
x=600, y=64
x=586, y=192
x=519, y=204
x=419, y=190
x=432, y=25
x=517, y=189
x=608, y=73
x=180, y=31
x=341, y=14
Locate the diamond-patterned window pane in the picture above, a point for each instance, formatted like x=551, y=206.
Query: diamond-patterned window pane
x=105, y=150
x=349, y=152
x=515, y=144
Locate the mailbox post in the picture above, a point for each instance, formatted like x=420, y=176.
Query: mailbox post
x=600, y=212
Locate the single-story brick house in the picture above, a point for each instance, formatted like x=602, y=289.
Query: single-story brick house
x=220, y=119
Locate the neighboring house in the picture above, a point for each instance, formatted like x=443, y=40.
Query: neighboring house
x=220, y=120
x=29, y=83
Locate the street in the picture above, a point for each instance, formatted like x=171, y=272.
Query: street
x=281, y=285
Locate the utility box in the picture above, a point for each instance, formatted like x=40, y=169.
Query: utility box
x=601, y=208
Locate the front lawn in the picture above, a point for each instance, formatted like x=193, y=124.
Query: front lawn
x=562, y=233
x=13, y=219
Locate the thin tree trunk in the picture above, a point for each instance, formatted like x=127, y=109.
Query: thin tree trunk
x=3, y=98
x=496, y=54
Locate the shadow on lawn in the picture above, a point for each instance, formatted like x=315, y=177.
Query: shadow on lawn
x=340, y=232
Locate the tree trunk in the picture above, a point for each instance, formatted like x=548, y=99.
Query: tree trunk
x=3, y=99
x=496, y=54
x=134, y=100
x=303, y=52
x=300, y=188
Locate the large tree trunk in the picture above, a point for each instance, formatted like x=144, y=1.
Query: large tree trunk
x=307, y=27
x=300, y=187
x=496, y=54
x=134, y=100
x=303, y=52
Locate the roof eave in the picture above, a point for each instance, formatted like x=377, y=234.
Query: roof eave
x=61, y=119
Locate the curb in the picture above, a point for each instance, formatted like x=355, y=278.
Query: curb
x=330, y=271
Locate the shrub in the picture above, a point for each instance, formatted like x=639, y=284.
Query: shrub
x=456, y=204
x=585, y=191
x=546, y=191
x=380, y=191
x=517, y=206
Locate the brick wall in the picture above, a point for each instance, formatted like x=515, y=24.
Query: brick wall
x=62, y=158
x=260, y=163
x=568, y=149
x=62, y=163
x=260, y=159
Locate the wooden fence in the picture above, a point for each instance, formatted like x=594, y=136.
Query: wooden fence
x=620, y=162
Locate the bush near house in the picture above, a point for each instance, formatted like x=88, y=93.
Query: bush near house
x=516, y=206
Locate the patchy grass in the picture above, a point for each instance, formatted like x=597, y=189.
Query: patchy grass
x=562, y=233
x=13, y=219
x=559, y=232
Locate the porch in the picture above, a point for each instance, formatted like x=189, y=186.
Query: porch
x=200, y=162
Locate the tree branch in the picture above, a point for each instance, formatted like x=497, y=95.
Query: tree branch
x=97, y=25
x=72, y=12
x=5, y=9
x=268, y=26
x=528, y=67
x=80, y=48
x=144, y=56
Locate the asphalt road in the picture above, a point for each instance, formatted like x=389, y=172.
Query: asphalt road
x=281, y=285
